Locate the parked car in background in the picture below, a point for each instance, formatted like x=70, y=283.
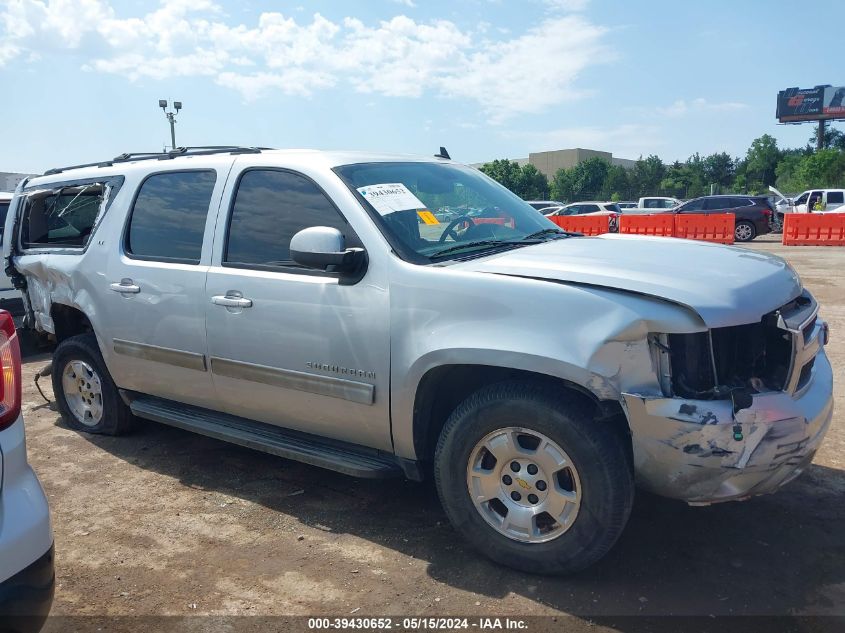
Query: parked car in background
x=10, y=298
x=657, y=202
x=627, y=205
x=753, y=214
x=588, y=208
x=26, y=539
x=544, y=204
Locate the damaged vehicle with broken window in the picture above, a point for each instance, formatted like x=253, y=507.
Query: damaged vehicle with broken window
x=314, y=306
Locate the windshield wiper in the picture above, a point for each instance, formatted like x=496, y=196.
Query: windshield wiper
x=544, y=232
x=476, y=244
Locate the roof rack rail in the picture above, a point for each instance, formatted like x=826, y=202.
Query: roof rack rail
x=198, y=150
x=58, y=170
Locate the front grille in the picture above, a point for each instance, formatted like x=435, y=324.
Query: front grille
x=807, y=330
x=776, y=354
x=712, y=365
x=806, y=373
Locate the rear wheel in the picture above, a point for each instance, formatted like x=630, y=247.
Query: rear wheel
x=744, y=231
x=85, y=393
x=531, y=480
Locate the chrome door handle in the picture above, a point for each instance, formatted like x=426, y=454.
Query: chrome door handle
x=125, y=287
x=231, y=301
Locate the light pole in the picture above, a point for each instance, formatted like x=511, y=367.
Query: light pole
x=171, y=116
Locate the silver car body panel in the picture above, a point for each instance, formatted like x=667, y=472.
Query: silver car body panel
x=346, y=361
x=26, y=533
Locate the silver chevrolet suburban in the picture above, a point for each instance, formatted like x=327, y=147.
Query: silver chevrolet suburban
x=390, y=315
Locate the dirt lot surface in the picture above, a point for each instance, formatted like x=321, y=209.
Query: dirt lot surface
x=164, y=522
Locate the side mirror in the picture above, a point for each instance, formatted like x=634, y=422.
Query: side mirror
x=324, y=248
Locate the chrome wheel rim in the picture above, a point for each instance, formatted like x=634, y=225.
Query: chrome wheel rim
x=743, y=232
x=524, y=485
x=83, y=392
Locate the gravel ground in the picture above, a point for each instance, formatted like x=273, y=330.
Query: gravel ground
x=167, y=523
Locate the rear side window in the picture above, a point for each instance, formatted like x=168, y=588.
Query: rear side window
x=588, y=208
x=715, y=204
x=168, y=218
x=833, y=197
x=63, y=217
x=4, y=211
x=270, y=207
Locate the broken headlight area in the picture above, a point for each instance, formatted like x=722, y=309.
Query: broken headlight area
x=752, y=358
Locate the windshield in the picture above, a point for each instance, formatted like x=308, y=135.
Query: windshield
x=435, y=211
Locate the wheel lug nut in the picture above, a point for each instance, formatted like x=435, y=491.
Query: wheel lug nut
x=540, y=485
x=516, y=496
x=532, y=499
x=532, y=469
x=515, y=467
x=507, y=480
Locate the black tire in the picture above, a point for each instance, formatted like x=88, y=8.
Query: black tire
x=116, y=418
x=597, y=450
x=744, y=231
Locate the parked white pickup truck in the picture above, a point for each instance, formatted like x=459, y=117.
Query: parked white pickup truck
x=656, y=204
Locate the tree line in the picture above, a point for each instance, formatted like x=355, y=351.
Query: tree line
x=791, y=170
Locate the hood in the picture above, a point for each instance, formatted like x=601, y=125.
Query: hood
x=725, y=285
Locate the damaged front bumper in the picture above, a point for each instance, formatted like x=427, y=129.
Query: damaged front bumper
x=701, y=452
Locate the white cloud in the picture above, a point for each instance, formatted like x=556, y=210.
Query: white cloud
x=398, y=57
x=682, y=107
x=534, y=71
x=569, y=6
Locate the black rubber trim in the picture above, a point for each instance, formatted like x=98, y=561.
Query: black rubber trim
x=13, y=306
x=343, y=457
x=26, y=597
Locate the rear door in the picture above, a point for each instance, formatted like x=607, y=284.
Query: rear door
x=719, y=205
x=153, y=288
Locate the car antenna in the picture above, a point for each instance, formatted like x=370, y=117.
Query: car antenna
x=443, y=154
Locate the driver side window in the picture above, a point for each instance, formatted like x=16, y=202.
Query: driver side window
x=269, y=208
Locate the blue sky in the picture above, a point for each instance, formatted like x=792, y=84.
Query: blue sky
x=486, y=78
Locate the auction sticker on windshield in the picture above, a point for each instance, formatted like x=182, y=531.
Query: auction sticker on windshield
x=391, y=197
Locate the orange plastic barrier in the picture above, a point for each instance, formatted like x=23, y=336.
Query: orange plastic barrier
x=662, y=224
x=814, y=229
x=710, y=227
x=586, y=224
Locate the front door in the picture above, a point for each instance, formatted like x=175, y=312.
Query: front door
x=291, y=346
x=155, y=287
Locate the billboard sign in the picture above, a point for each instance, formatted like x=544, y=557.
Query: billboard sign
x=811, y=104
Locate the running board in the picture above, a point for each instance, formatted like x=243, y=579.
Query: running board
x=349, y=459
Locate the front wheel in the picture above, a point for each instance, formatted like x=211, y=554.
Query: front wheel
x=527, y=475
x=744, y=231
